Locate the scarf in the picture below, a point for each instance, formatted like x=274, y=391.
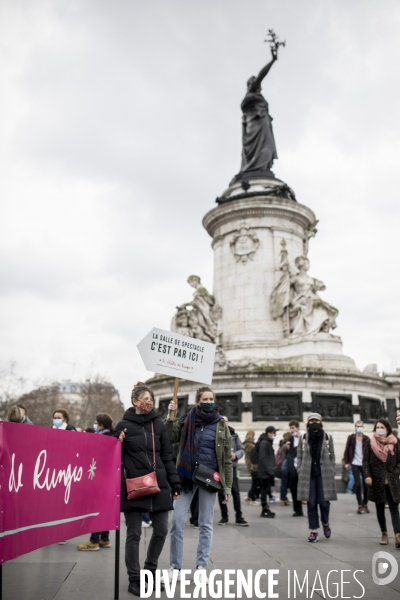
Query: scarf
x=383, y=446
x=315, y=439
x=187, y=459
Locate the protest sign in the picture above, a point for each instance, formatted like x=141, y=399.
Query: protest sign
x=178, y=355
x=55, y=485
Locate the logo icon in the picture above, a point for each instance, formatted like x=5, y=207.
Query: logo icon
x=380, y=565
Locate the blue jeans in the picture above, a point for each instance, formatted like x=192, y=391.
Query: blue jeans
x=316, y=498
x=351, y=481
x=179, y=515
x=146, y=517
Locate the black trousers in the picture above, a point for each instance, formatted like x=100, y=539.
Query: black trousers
x=236, y=498
x=394, y=512
x=133, y=534
x=266, y=485
x=254, y=491
x=360, y=485
x=194, y=509
x=294, y=480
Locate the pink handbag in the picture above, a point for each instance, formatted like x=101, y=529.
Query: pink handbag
x=146, y=485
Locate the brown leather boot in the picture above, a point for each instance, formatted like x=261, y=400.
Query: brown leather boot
x=397, y=538
x=385, y=539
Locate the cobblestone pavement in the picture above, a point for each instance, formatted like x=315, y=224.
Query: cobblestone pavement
x=63, y=573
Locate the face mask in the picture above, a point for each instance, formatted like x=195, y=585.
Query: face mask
x=273, y=437
x=359, y=429
x=207, y=406
x=145, y=406
x=315, y=426
x=57, y=422
x=95, y=427
x=381, y=432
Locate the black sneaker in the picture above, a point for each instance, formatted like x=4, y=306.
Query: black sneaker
x=241, y=522
x=297, y=514
x=195, y=525
x=223, y=521
x=267, y=514
x=134, y=588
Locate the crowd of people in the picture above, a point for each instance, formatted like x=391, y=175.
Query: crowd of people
x=205, y=467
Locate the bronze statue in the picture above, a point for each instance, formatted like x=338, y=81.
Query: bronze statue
x=259, y=149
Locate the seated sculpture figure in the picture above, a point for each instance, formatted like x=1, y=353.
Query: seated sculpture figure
x=199, y=317
x=296, y=300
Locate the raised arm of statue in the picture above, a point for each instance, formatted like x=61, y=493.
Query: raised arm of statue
x=255, y=86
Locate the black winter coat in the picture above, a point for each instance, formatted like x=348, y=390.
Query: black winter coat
x=266, y=458
x=350, y=449
x=137, y=460
x=376, y=469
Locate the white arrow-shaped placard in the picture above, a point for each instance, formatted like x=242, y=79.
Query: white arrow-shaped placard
x=178, y=355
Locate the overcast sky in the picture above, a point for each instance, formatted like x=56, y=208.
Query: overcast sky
x=121, y=124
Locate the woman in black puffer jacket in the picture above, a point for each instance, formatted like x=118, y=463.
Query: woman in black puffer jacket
x=137, y=458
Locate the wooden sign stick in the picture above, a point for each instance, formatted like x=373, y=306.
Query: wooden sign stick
x=174, y=399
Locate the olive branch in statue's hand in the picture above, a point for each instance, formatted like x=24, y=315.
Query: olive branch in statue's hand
x=274, y=43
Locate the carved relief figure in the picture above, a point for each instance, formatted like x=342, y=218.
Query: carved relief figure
x=199, y=317
x=295, y=299
x=244, y=244
x=308, y=312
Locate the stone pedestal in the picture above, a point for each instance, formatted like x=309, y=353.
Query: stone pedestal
x=249, y=231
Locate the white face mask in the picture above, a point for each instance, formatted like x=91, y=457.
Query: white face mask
x=359, y=429
x=381, y=432
x=95, y=427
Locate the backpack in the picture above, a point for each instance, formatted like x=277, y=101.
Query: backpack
x=279, y=457
x=254, y=454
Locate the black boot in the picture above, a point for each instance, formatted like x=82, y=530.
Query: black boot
x=267, y=513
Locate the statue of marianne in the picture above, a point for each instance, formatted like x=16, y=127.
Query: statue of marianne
x=259, y=150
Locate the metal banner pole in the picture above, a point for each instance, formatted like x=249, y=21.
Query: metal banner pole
x=116, y=575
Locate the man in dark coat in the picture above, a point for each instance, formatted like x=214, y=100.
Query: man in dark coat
x=266, y=468
x=237, y=452
x=353, y=459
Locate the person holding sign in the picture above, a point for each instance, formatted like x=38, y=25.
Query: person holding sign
x=137, y=430
x=204, y=464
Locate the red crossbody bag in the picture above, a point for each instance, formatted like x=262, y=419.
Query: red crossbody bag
x=147, y=484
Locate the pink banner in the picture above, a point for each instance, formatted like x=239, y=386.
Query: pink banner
x=55, y=485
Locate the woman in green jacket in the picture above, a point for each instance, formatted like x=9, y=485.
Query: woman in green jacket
x=205, y=439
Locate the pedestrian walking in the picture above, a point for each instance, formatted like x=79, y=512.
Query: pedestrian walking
x=281, y=463
x=266, y=468
x=353, y=461
x=293, y=478
x=61, y=420
x=253, y=494
x=237, y=452
x=142, y=435
x=381, y=467
x=316, y=470
x=194, y=511
x=102, y=426
x=205, y=443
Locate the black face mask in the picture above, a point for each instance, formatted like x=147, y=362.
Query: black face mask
x=315, y=426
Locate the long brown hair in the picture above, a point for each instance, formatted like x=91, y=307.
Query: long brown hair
x=250, y=435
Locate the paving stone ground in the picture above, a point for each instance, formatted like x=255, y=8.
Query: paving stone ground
x=63, y=573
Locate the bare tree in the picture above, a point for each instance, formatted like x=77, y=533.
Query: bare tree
x=11, y=387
